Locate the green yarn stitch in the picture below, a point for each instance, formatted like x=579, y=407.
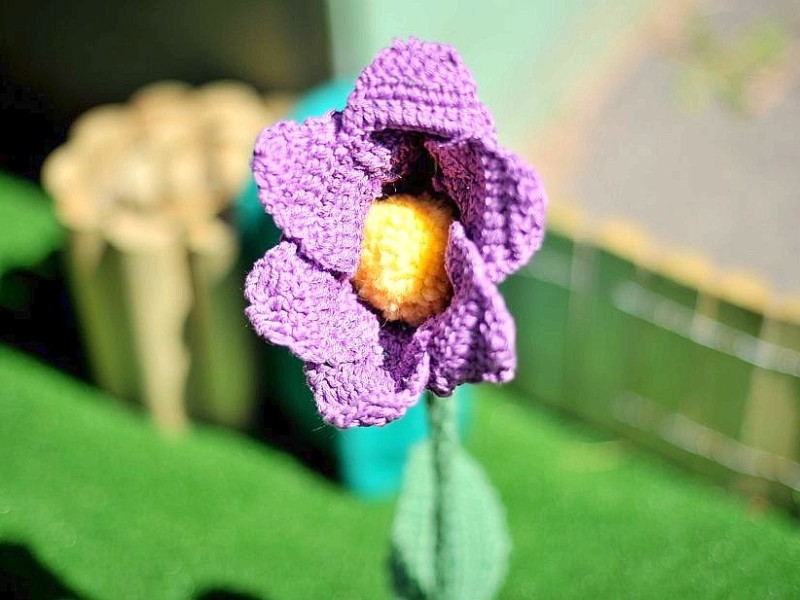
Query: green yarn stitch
x=449, y=538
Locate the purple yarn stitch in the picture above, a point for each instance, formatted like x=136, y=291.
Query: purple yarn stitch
x=317, y=180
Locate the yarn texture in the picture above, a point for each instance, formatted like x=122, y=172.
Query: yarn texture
x=414, y=106
x=401, y=272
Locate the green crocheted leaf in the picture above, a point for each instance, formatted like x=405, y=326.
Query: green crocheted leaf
x=477, y=541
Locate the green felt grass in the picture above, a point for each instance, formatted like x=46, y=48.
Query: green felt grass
x=110, y=510
x=30, y=231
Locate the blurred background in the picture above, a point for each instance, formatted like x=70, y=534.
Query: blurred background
x=650, y=445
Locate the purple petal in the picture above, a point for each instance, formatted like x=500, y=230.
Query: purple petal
x=310, y=185
x=376, y=390
x=474, y=339
x=418, y=86
x=502, y=201
x=294, y=303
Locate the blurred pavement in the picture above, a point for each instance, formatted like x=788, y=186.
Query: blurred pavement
x=707, y=179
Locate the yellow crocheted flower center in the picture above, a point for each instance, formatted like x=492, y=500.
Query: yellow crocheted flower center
x=401, y=272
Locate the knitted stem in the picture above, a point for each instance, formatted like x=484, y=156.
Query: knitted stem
x=444, y=441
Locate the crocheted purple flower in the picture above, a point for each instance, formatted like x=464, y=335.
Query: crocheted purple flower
x=400, y=215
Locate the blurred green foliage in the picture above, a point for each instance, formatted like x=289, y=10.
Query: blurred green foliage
x=29, y=231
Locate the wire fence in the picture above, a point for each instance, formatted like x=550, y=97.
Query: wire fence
x=701, y=365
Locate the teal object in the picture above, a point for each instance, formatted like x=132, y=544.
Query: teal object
x=371, y=459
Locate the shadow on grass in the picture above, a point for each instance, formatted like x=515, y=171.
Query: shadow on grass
x=290, y=425
x=275, y=428
x=24, y=577
x=402, y=584
x=36, y=316
x=226, y=594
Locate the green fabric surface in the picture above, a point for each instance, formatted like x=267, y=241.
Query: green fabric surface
x=111, y=510
x=29, y=231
